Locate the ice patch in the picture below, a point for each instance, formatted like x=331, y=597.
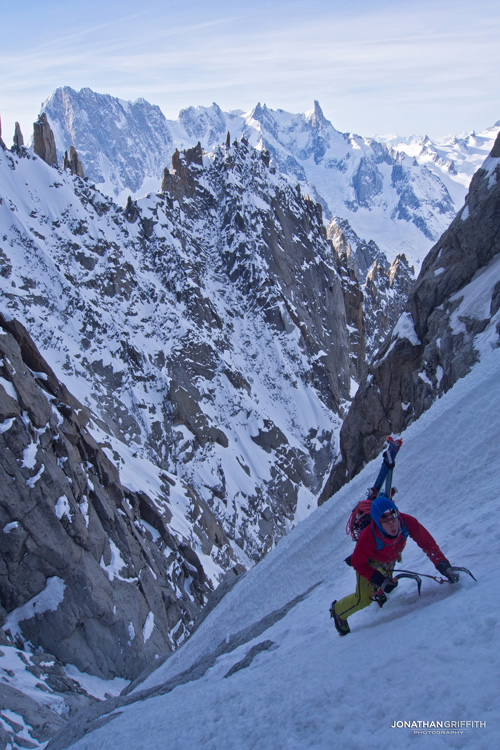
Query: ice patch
x=6, y=425
x=62, y=508
x=116, y=565
x=10, y=527
x=33, y=480
x=47, y=600
x=148, y=627
x=29, y=456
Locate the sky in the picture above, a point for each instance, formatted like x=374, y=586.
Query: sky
x=376, y=66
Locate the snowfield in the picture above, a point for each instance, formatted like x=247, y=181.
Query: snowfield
x=266, y=668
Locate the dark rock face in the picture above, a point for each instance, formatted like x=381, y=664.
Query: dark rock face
x=179, y=182
x=207, y=328
x=44, y=144
x=436, y=340
x=18, y=137
x=385, y=292
x=377, y=291
x=354, y=302
x=73, y=163
x=80, y=574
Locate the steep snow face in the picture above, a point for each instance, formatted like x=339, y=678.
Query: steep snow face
x=204, y=326
x=122, y=143
x=400, y=195
x=267, y=669
x=384, y=195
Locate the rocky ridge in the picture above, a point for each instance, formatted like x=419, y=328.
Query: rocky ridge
x=87, y=565
x=453, y=308
x=367, y=188
x=204, y=334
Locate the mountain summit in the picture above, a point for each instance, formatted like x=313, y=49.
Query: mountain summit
x=399, y=202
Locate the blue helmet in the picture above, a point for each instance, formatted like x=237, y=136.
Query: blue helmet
x=379, y=506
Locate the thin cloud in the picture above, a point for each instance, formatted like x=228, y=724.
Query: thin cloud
x=365, y=59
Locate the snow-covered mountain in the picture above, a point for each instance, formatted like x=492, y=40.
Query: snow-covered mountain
x=384, y=191
x=454, y=159
x=197, y=324
x=266, y=667
x=203, y=336
x=174, y=374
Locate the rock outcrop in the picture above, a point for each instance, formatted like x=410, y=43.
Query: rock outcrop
x=376, y=292
x=18, y=137
x=37, y=697
x=452, y=314
x=44, y=144
x=385, y=294
x=179, y=182
x=73, y=163
x=359, y=254
x=89, y=571
x=354, y=302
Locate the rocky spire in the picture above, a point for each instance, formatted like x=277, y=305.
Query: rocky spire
x=73, y=162
x=181, y=180
x=316, y=117
x=2, y=144
x=18, y=137
x=44, y=144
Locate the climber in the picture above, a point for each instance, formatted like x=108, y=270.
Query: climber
x=377, y=550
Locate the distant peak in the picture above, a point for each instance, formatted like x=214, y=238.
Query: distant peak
x=258, y=111
x=317, y=109
x=316, y=116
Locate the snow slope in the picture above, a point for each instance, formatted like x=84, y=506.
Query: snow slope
x=266, y=668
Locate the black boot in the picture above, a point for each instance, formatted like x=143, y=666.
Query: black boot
x=342, y=626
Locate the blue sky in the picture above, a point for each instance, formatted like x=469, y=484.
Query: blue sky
x=385, y=66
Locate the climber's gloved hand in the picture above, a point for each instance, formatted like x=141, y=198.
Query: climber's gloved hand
x=390, y=584
x=445, y=569
x=382, y=583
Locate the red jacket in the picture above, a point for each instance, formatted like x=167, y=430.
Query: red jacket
x=366, y=547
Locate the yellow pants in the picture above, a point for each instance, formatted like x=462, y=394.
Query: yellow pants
x=362, y=596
